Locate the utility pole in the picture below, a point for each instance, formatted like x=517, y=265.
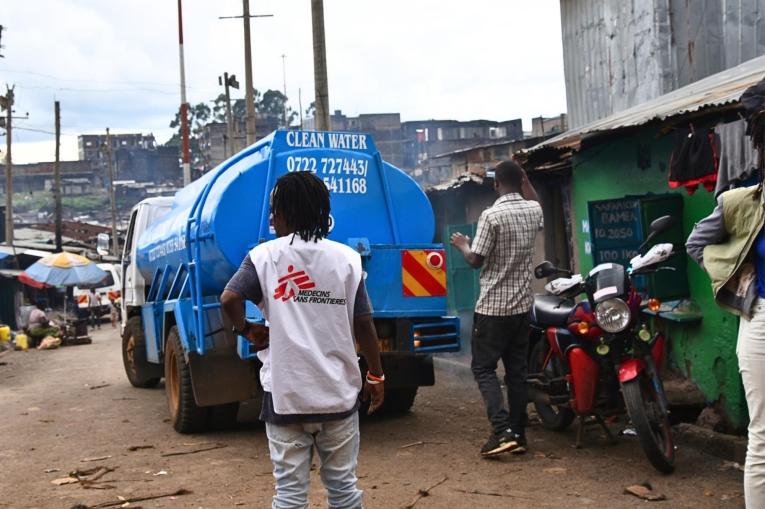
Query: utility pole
x=115, y=243
x=284, y=87
x=250, y=100
x=57, y=178
x=8, y=105
x=300, y=106
x=248, y=92
x=229, y=81
x=320, y=66
x=184, y=113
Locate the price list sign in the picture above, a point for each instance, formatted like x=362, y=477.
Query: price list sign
x=615, y=230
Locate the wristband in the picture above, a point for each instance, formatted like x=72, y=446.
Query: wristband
x=244, y=330
x=374, y=380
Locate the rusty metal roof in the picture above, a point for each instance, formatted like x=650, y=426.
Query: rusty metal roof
x=720, y=89
x=455, y=183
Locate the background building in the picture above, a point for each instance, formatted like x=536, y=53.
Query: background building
x=545, y=126
x=428, y=138
x=135, y=156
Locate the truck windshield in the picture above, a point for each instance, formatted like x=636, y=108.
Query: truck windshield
x=107, y=281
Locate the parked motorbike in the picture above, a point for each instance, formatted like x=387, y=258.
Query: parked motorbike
x=597, y=357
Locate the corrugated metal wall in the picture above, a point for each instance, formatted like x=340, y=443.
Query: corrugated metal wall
x=618, y=53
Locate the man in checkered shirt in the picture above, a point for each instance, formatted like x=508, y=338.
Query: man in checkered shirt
x=504, y=248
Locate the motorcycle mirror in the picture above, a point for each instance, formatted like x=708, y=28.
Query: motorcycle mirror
x=661, y=224
x=545, y=269
x=657, y=226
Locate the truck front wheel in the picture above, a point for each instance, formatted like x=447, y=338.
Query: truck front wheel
x=140, y=372
x=185, y=415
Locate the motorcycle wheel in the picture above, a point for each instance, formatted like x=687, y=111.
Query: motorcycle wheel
x=553, y=417
x=653, y=428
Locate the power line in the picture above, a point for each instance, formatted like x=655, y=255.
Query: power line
x=102, y=82
x=103, y=90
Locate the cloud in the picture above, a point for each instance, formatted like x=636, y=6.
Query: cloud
x=116, y=63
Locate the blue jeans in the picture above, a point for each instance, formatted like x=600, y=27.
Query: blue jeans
x=291, y=447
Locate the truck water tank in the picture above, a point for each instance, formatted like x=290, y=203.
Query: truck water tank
x=370, y=199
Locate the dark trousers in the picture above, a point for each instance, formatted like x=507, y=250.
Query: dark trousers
x=95, y=317
x=505, y=338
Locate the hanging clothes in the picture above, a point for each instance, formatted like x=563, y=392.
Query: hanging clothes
x=694, y=160
x=738, y=157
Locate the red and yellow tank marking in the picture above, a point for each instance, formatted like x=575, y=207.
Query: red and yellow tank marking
x=423, y=272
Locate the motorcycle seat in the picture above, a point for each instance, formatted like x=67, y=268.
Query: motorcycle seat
x=549, y=310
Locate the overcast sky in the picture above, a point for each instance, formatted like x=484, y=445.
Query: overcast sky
x=115, y=63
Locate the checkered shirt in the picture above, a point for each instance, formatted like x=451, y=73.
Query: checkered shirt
x=505, y=238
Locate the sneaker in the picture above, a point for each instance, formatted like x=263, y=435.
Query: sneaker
x=507, y=441
x=521, y=444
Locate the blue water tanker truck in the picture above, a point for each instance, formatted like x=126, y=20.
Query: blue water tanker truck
x=181, y=251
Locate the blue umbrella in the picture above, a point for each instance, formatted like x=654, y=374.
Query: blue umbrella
x=62, y=269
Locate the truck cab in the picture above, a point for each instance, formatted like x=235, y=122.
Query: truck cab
x=180, y=252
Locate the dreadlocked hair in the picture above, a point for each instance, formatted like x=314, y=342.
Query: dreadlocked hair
x=302, y=200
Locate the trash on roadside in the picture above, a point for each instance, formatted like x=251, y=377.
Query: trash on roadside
x=87, y=478
x=161, y=472
x=91, y=474
x=65, y=480
x=49, y=343
x=139, y=447
x=51, y=470
x=731, y=465
x=194, y=451
x=97, y=458
x=125, y=501
x=644, y=492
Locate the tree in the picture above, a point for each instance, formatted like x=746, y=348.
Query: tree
x=270, y=105
x=273, y=105
x=199, y=115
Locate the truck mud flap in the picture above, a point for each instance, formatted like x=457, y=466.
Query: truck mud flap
x=220, y=378
x=407, y=370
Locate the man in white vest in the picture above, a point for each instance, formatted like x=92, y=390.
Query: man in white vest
x=311, y=291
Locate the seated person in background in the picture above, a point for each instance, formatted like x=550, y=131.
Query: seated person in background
x=39, y=326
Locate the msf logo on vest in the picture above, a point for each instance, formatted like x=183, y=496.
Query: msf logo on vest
x=298, y=287
x=294, y=280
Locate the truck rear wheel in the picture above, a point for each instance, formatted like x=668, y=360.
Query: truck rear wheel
x=140, y=372
x=399, y=401
x=185, y=415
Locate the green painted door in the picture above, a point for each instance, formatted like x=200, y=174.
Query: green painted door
x=462, y=279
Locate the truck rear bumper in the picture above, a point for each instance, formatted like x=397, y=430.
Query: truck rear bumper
x=407, y=370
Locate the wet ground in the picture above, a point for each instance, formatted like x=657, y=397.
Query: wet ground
x=72, y=408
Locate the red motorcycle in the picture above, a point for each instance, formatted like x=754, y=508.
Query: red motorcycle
x=597, y=357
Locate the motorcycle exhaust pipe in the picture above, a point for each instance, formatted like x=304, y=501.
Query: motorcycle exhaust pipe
x=540, y=397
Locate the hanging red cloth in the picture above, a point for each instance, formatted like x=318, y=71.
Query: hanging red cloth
x=694, y=160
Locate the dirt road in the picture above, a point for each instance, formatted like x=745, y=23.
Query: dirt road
x=64, y=406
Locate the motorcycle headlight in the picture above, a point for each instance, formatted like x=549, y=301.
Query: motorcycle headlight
x=613, y=315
